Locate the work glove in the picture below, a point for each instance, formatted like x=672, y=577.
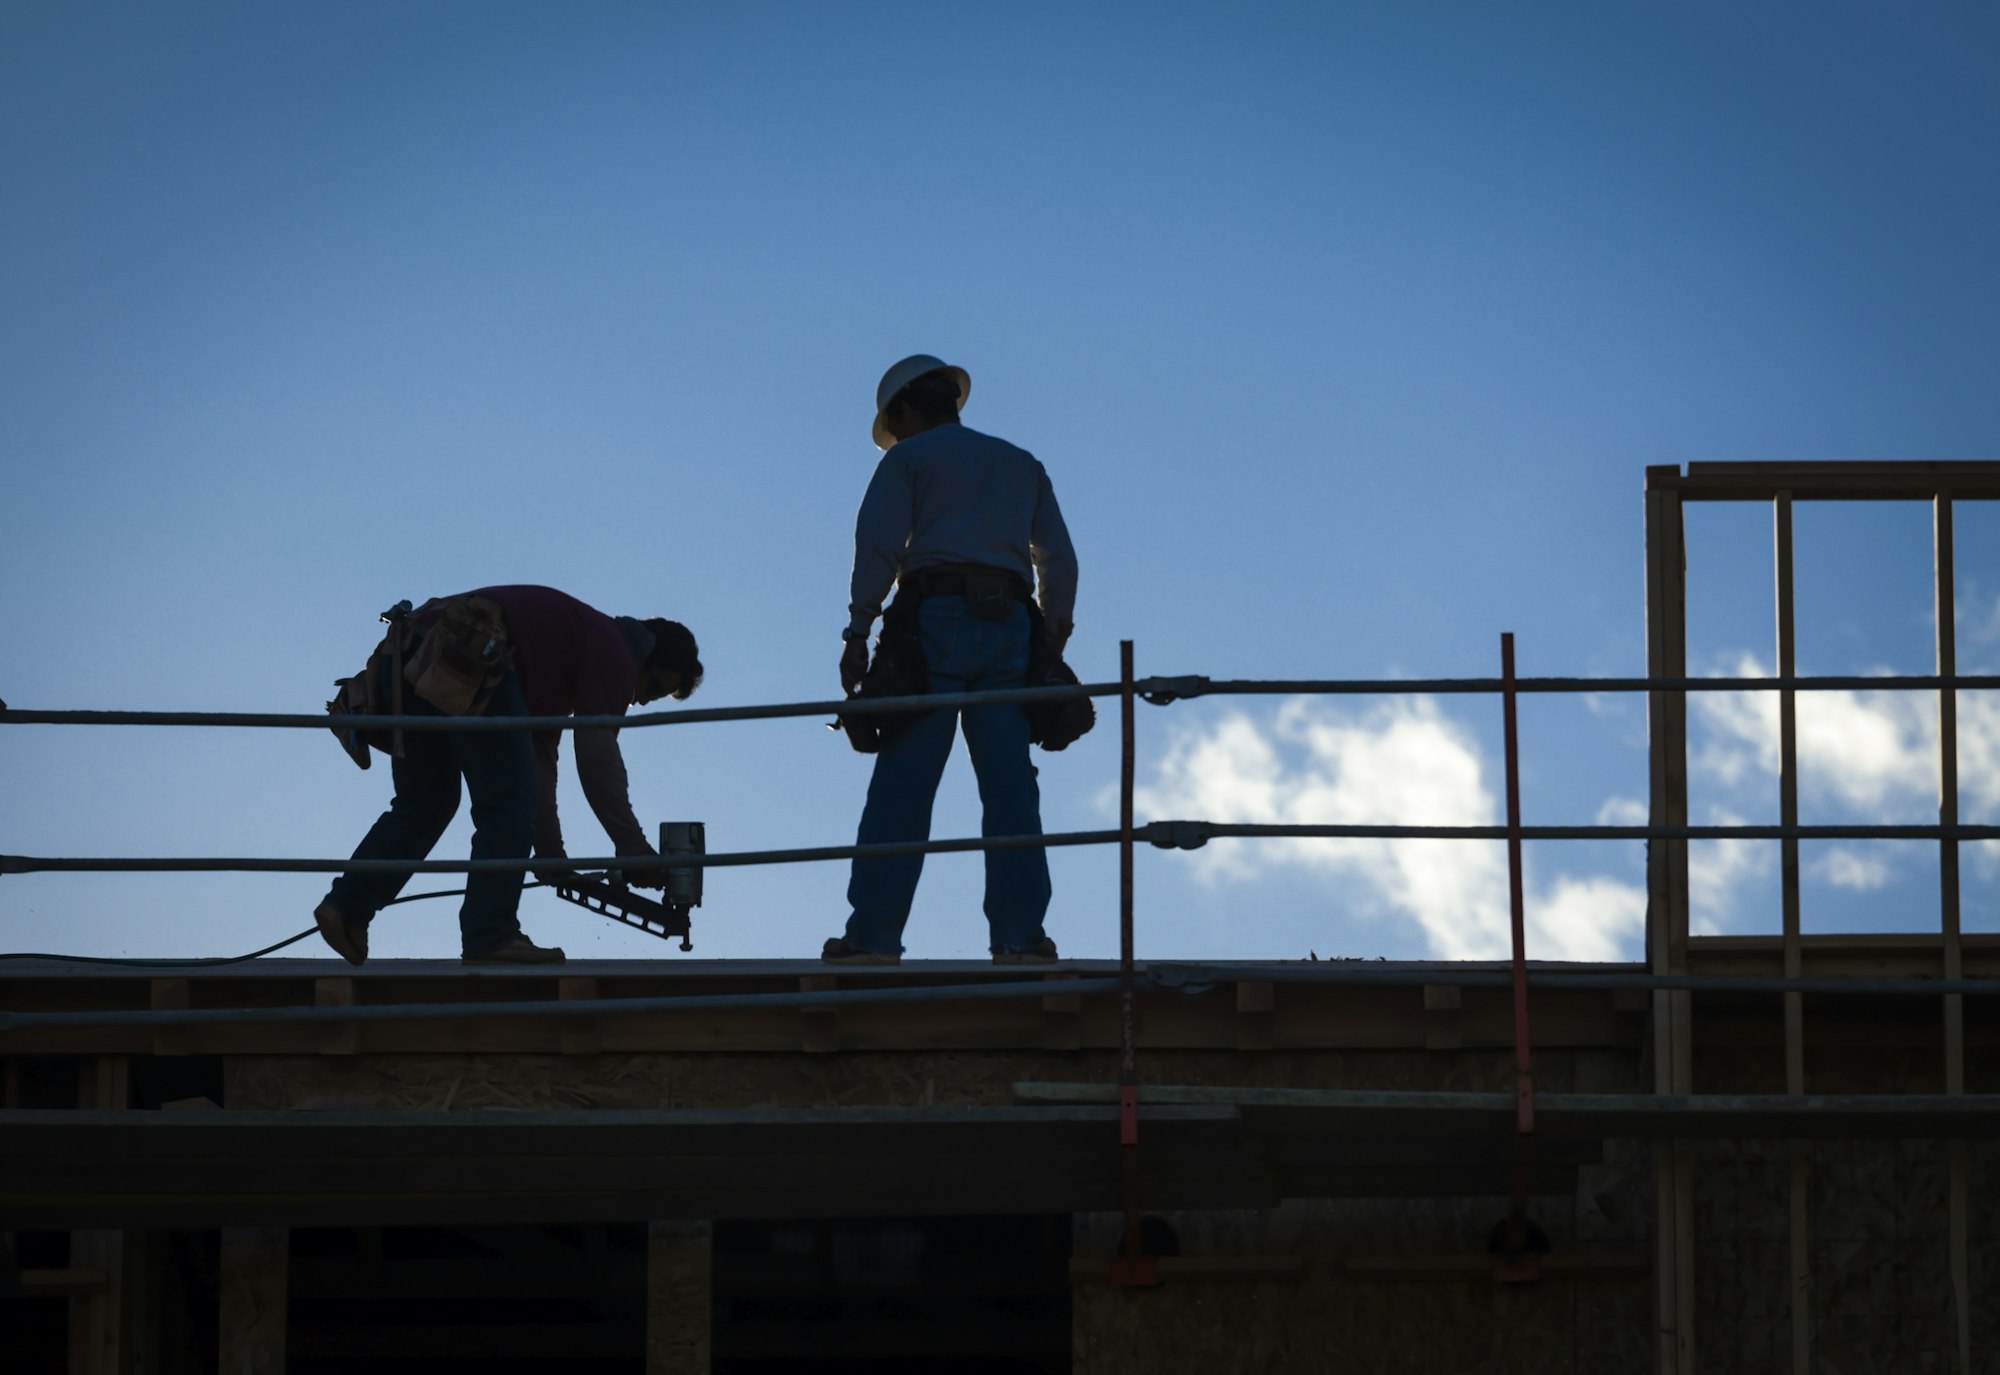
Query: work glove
x=553, y=875
x=1054, y=638
x=645, y=878
x=853, y=666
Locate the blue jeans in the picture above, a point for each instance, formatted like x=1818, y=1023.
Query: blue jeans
x=499, y=771
x=963, y=654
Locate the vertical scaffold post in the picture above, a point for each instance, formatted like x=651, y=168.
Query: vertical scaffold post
x=1957, y=1197
x=1132, y=1267
x=1518, y=1241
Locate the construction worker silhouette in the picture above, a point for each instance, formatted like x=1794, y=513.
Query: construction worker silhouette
x=966, y=527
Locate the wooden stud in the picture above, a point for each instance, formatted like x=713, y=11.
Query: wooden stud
x=255, y=1261
x=820, y=1027
x=170, y=995
x=1667, y=925
x=1444, y=1017
x=1062, y=1015
x=579, y=1035
x=680, y=1261
x=1256, y=1000
x=337, y=1038
x=1943, y=565
x=98, y=1342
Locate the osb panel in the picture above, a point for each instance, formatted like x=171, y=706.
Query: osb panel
x=1854, y=1191
x=862, y=1078
x=1985, y=1272
x=1742, y=1309
x=1332, y=1321
x=1856, y=1328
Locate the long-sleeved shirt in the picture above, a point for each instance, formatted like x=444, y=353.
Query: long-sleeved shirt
x=952, y=495
x=572, y=659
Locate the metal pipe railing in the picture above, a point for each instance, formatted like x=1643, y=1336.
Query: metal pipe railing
x=1158, y=690
x=1164, y=835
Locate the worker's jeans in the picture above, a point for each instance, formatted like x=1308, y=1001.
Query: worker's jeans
x=499, y=771
x=963, y=654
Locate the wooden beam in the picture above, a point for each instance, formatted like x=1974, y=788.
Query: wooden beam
x=1172, y=1269
x=98, y=1341
x=1915, y=480
x=1256, y=1002
x=1589, y=1265
x=169, y=995
x=680, y=1264
x=1958, y=1242
x=254, y=1273
x=820, y=1027
x=579, y=1035
x=1062, y=1016
x=336, y=1038
x=1444, y=1017
x=1667, y=919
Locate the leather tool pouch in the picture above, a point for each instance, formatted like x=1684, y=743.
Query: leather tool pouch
x=896, y=670
x=361, y=696
x=463, y=657
x=1054, y=725
x=989, y=596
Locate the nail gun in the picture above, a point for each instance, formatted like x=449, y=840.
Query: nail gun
x=607, y=894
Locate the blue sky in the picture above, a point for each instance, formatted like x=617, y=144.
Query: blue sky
x=1346, y=333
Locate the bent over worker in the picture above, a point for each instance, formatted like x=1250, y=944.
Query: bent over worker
x=967, y=527
x=552, y=656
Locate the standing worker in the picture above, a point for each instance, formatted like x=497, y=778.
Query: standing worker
x=500, y=651
x=966, y=527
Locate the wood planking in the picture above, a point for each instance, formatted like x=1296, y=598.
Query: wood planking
x=680, y=1263
x=253, y=1278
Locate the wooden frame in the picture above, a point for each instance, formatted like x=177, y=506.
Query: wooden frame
x=1783, y=484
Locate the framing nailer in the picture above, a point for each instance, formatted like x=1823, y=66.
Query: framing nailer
x=667, y=917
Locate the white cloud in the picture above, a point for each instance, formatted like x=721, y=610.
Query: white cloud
x=1717, y=870
x=1402, y=763
x=1867, y=750
x=1623, y=811
x=1979, y=755
x=1845, y=868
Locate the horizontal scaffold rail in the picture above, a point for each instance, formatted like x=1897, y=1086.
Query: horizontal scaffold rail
x=1158, y=690
x=1165, y=835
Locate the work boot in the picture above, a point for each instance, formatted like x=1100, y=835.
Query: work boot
x=838, y=951
x=1044, y=953
x=349, y=938
x=519, y=950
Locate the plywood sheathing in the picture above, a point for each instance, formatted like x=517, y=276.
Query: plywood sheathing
x=851, y=1078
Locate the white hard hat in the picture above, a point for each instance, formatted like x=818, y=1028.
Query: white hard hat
x=900, y=376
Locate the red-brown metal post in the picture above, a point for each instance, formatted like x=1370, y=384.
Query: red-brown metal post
x=1524, y=1092
x=1132, y=1267
x=1519, y=1231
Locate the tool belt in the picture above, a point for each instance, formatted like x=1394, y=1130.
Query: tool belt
x=990, y=593
x=898, y=668
x=452, y=652
x=462, y=655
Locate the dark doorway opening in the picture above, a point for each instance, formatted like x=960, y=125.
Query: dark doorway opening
x=976, y=1295
x=445, y=1299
